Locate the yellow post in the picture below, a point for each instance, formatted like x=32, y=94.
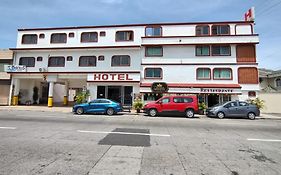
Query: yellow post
x=65, y=100
x=15, y=100
x=50, y=102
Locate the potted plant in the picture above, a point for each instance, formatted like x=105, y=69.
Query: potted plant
x=82, y=97
x=202, y=107
x=138, y=104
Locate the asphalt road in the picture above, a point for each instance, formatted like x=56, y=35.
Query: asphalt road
x=63, y=143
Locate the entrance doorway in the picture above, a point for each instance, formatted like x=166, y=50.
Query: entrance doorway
x=45, y=93
x=114, y=93
x=213, y=99
x=121, y=94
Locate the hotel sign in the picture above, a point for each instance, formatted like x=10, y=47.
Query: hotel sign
x=159, y=87
x=114, y=77
x=14, y=68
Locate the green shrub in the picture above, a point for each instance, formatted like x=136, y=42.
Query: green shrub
x=82, y=97
x=202, y=106
x=138, y=104
x=258, y=102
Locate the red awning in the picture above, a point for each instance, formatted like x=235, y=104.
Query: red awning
x=195, y=85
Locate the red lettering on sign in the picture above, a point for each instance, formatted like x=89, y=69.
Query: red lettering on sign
x=104, y=77
x=121, y=77
x=112, y=76
x=127, y=77
x=96, y=76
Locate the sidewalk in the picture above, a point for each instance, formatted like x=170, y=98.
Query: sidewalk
x=51, y=109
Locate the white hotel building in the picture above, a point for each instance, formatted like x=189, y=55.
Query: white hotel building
x=214, y=60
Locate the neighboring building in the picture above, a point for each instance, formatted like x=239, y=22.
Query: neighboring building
x=6, y=58
x=215, y=60
x=270, y=89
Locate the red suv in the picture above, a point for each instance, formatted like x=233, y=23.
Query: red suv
x=183, y=104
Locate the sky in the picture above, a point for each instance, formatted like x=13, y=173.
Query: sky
x=16, y=14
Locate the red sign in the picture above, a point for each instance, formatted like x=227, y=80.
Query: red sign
x=111, y=77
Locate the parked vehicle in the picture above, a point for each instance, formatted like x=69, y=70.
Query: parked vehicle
x=105, y=106
x=233, y=109
x=187, y=105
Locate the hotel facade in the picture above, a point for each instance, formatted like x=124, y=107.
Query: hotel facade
x=214, y=60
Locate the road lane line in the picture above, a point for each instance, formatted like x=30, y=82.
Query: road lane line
x=125, y=133
x=264, y=140
x=3, y=127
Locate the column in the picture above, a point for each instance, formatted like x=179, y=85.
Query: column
x=50, y=95
x=15, y=99
x=65, y=97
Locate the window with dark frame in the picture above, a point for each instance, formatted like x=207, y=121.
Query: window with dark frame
x=154, y=51
x=101, y=58
x=102, y=33
x=56, y=62
x=202, y=30
x=153, y=31
x=218, y=50
x=87, y=61
x=222, y=73
x=202, y=50
x=29, y=39
x=27, y=61
x=203, y=74
x=278, y=82
x=120, y=60
x=124, y=36
x=220, y=30
x=41, y=35
x=39, y=58
x=153, y=73
x=58, y=38
x=252, y=94
x=69, y=58
x=87, y=37
x=71, y=35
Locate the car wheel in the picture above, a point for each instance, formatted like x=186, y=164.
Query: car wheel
x=152, y=112
x=220, y=115
x=251, y=116
x=110, y=111
x=189, y=113
x=80, y=111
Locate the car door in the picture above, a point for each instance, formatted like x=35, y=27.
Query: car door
x=232, y=109
x=93, y=105
x=243, y=108
x=178, y=104
x=165, y=105
x=102, y=105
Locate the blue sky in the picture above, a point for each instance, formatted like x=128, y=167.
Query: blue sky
x=59, y=13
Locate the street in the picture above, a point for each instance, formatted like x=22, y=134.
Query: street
x=34, y=142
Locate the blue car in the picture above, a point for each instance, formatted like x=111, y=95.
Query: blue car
x=105, y=106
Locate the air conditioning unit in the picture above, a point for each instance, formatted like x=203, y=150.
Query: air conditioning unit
x=42, y=69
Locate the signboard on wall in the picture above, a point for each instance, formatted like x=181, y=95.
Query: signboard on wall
x=14, y=68
x=118, y=77
x=159, y=87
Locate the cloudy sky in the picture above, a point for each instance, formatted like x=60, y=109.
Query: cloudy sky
x=16, y=14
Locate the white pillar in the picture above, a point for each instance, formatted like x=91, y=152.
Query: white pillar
x=50, y=95
x=15, y=99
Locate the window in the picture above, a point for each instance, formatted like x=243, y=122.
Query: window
x=246, y=53
x=278, y=82
x=231, y=104
x=42, y=36
x=124, y=36
x=222, y=73
x=71, y=35
x=56, y=62
x=86, y=61
x=101, y=58
x=241, y=103
x=220, y=30
x=165, y=100
x=202, y=50
x=153, y=73
x=120, y=60
x=2, y=65
x=153, y=31
x=248, y=75
x=89, y=37
x=203, y=74
x=221, y=50
x=29, y=39
x=39, y=58
x=202, y=30
x=27, y=61
x=154, y=51
x=69, y=58
x=58, y=38
x=183, y=100
x=102, y=33
x=252, y=94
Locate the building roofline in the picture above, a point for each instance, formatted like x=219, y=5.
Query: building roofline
x=134, y=25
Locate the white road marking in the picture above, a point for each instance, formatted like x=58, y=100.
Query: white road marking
x=125, y=133
x=3, y=127
x=264, y=140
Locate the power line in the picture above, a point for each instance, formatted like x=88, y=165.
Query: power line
x=268, y=9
